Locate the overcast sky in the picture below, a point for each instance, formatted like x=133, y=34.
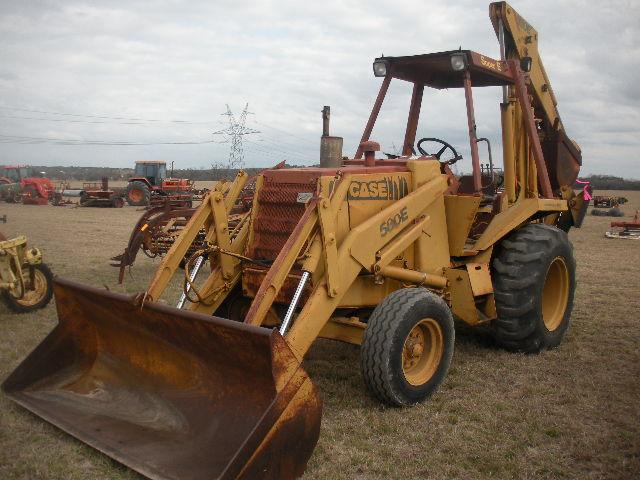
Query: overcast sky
x=162, y=72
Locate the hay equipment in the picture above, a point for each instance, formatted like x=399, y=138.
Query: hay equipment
x=26, y=284
x=377, y=253
x=159, y=226
x=605, y=201
x=608, y=206
x=154, y=233
x=100, y=195
x=625, y=230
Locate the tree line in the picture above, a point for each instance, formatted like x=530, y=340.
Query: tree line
x=610, y=182
x=94, y=174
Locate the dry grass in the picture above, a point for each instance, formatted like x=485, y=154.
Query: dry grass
x=569, y=413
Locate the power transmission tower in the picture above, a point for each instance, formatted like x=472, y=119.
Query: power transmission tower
x=234, y=132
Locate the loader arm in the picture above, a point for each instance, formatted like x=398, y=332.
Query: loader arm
x=359, y=251
x=221, y=281
x=289, y=254
x=213, y=214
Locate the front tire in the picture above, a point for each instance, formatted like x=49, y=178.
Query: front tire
x=34, y=299
x=534, y=279
x=407, y=347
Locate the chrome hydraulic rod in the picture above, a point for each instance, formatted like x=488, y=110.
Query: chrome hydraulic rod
x=503, y=56
x=294, y=302
x=192, y=277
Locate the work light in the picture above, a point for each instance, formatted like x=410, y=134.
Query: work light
x=380, y=68
x=458, y=61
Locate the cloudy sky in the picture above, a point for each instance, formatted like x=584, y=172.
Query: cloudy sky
x=160, y=74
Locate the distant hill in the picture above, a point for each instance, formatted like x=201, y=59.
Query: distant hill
x=609, y=182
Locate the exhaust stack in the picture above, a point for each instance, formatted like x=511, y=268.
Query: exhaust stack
x=330, y=147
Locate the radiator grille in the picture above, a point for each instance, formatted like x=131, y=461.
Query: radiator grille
x=278, y=214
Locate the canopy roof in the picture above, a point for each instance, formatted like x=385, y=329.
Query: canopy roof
x=434, y=69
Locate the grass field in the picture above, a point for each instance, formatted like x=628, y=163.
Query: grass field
x=573, y=412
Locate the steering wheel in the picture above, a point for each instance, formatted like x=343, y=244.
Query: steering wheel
x=439, y=153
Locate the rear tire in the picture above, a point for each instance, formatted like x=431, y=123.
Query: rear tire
x=33, y=299
x=407, y=347
x=534, y=282
x=138, y=194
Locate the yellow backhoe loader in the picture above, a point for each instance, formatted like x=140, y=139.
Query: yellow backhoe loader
x=381, y=253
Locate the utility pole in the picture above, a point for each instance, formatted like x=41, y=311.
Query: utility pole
x=235, y=131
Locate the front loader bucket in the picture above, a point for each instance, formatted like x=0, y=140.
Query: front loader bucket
x=171, y=394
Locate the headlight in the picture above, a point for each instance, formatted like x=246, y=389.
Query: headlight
x=458, y=62
x=380, y=68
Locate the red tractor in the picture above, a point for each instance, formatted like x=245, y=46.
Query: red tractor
x=150, y=183
x=32, y=190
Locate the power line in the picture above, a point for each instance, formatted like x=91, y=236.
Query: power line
x=106, y=117
x=108, y=122
x=280, y=151
x=252, y=147
x=290, y=147
x=262, y=153
x=236, y=131
x=285, y=132
x=63, y=141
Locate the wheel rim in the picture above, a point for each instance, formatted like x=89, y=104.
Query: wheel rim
x=422, y=351
x=555, y=294
x=135, y=194
x=32, y=297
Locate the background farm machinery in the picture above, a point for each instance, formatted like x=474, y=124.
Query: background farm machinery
x=10, y=191
x=26, y=283
x=154, y=233
x=19, y=184
x=626, y=230
x=151, y=186
x=92, y=194
x=608, y=206
x=159, y=227
x=604, y=201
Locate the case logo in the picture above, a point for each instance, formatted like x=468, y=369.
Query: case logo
x=385, y=189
